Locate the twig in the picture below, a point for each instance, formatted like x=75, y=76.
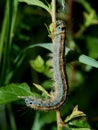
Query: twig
x=60, y=123
x=54, y=11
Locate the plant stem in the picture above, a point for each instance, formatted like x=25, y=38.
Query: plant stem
x=6, y=48
x=11, y=117
x=8, y=27
x=3, y=32
x=60, y=123
x=54, y=11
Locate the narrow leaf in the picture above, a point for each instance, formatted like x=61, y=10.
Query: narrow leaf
x=37, y=3
x=80, y=57
x=88, y=60
x=41, y=89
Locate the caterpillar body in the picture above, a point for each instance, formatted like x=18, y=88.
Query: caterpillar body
x=59, y=95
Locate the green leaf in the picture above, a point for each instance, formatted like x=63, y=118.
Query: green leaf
x=92, y=46
x=90, y=18
x=88, y=61
x=39, y=87
x=75, y=113
x=37, y=3
x=12, y=92
x=75, y=56
x=79, y=123
x=38, y=64
x=41, y=66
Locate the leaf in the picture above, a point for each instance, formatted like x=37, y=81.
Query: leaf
x=92, y=45
x=88, y=61
x=75, y=56
x=79, y=123
x=39, y=87
x=38, y=64
x=12, y=92
x=37, y=3
x=75, y=113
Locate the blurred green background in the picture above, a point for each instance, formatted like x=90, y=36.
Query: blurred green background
x=81, y=17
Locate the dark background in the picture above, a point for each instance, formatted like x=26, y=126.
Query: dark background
x=83, y=80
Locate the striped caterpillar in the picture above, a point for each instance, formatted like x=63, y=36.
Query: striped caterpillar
x=58, y=97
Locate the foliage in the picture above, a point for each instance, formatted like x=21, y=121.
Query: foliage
x=23, y=62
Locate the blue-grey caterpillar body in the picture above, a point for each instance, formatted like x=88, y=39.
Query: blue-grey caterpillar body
x=58, y=97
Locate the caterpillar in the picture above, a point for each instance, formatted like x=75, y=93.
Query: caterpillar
x=58, y=97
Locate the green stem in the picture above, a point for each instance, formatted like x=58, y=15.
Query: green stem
x=10, y=15
x=11, y=117
x=36, y=122
x=3, y=31
x=6, y=47
x=3, y=121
